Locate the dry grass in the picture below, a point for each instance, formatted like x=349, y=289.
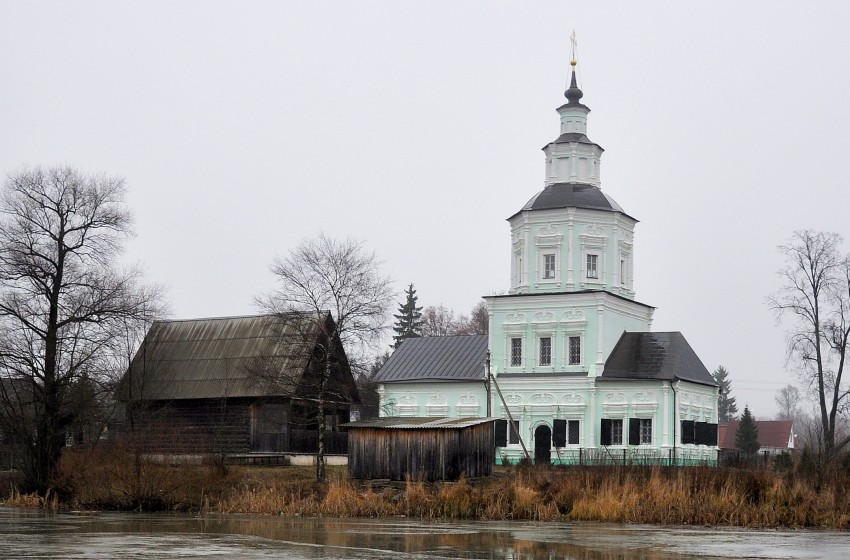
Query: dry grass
x=116, y=479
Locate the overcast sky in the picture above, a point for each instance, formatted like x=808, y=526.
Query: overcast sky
x=242, y=128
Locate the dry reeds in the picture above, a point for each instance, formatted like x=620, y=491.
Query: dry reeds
x=119, y=479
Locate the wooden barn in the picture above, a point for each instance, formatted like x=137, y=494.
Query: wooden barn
x=238, y=385
x=423, y=448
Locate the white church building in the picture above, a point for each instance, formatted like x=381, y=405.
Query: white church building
x=573, y=362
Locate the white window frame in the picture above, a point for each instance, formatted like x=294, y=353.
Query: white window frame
x=540, y=350
x=566, y=352
x=588, y=256
x=549, y=273
x=645, y=431
x=621, y=422
x=569, y=443
x=510, y=353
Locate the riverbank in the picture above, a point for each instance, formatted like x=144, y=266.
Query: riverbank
x=630, y=494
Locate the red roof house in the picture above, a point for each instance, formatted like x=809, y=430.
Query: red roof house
x=775, y=436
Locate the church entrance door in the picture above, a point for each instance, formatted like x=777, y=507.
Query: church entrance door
x=542, y=445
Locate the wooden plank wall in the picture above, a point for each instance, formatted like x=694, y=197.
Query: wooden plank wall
x=427, y=454
x=197, y=426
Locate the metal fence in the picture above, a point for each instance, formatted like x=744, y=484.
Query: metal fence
x=630, y=456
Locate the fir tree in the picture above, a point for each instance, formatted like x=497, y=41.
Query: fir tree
x=747, y=436
x=726, y=406
x=408, y=322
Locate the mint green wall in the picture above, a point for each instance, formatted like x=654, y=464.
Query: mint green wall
x=570, y=234
x=433, y=399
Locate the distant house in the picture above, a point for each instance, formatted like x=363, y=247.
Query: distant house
x=775, y=436
x=236, y=385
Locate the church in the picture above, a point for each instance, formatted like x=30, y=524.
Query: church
x=570, y=364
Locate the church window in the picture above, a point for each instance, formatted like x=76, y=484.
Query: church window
x=548, y=266
x=574, y=357
x=645, y=431
x=545, y=351
x=612, y=431
x=592, y=266
x=513, y=435
x=516, y=351
x=572, y=432
x=622, y=272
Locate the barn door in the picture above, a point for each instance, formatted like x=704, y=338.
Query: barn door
x=542, y=445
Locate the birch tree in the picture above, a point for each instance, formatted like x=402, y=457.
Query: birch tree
x=324, y=275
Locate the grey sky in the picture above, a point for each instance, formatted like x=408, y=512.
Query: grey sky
x=242, y=128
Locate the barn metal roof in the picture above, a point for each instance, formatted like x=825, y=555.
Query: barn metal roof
x=655, y=355
x=436, y=358
x=418, y=423
x=219, y=357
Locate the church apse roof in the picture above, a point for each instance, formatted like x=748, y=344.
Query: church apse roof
x=436, y=358
x=572, y=195
x=663, y=356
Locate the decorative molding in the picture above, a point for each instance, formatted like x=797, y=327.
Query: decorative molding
x=515, y=318
x=407, y=405
x=645, y=397
x=572, y=399
x=615, y=398
x=595, y=230
x=572, y=316
x=438, y=405
x=437, y=399
x=543, y=398
x=549, y=230
x=543, y=317
x=467, y=405
x=513, y=398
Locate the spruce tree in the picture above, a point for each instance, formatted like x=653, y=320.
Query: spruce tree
x=726, y=406
x=747, y=436
x=408, y=322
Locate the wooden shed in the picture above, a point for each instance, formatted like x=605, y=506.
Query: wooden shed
x=237, y=385
x=423, y=448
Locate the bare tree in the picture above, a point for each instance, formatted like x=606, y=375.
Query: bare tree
x=438, y=321
x=324, y=275
x=788, y=401
x=62, y=297
x=478, y=322
x=816, y=295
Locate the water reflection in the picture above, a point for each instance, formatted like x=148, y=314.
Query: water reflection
x=107, y=535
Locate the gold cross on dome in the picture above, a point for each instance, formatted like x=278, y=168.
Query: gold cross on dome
x=574, y=43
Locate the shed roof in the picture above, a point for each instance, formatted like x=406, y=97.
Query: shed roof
x=655, y=355
x=772, y=433
x=418, y=423
x=437, y=358
x=218, y=357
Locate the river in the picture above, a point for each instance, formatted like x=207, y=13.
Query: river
x=28, y=534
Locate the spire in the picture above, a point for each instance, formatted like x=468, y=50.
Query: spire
x=573, y=94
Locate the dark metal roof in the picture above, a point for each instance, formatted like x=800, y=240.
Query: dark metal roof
x=570, y=137
x=417, y=423
x=437, y=358
x=576, y=292
x=213, y=358
x=572, y=195
x=655, y=355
